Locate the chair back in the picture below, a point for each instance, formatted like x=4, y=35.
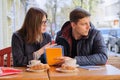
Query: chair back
x=6, y=51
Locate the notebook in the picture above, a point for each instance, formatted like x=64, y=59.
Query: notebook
x=92, y=67
x=8, y=71
x=51, y=54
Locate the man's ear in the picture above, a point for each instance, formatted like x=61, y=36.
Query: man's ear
x=72, y=24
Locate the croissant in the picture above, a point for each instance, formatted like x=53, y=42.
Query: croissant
x=40, y=67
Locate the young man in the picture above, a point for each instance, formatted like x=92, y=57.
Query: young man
x=81, y=40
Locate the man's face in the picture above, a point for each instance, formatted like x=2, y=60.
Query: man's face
x=82, y=27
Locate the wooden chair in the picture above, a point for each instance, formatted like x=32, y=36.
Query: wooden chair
x=6, y=51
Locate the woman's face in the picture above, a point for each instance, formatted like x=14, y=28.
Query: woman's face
x=44, y=24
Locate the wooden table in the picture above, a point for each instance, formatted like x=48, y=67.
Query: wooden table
x=107, y=73
x=26, y=75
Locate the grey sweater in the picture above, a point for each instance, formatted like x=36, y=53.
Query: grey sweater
x=22, y=52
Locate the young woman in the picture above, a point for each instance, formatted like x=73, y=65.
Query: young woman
x=30, y=41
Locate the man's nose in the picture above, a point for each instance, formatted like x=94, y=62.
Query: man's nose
x=88, y=26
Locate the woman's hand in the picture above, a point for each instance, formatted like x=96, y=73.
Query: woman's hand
x=42, y=50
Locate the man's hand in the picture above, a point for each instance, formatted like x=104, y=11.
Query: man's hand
x=61, y=60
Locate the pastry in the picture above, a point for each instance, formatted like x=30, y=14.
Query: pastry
x=39, y=67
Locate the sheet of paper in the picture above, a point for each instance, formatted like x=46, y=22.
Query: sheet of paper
x=92, y=67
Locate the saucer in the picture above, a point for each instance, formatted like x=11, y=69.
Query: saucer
x=29, y=65
x=30, y=70
x=66, y=71
x=77, y=65
x=32, y=65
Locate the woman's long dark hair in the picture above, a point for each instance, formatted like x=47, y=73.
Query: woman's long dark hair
x=30, y=29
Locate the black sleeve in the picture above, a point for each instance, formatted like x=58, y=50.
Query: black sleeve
x=19, y=58
x=99, y=55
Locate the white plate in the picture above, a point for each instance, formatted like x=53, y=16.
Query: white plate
x=66, y=71
x=77, y=65
x=31, y=65
x=30, y=70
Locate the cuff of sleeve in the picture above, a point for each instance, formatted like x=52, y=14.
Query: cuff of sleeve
x=36, y=55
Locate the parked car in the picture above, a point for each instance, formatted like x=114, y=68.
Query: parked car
x=114, y=40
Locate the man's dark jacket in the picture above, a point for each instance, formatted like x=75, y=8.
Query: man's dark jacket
x=91, y=50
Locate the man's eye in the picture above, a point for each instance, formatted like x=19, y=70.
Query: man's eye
x=82, y=24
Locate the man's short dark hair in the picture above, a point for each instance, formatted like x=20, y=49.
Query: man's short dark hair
x=78, y=13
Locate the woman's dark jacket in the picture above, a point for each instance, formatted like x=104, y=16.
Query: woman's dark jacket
x=91, y=50
x=22, y=52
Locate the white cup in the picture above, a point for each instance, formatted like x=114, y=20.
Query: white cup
x=70, y=62
x=34, y=62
